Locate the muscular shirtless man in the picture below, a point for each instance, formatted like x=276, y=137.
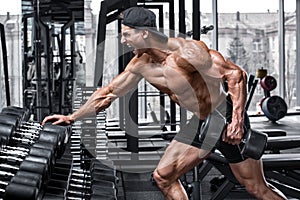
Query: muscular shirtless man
x=192, y=75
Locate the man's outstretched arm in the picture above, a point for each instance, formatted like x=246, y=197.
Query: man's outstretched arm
x=100, y=99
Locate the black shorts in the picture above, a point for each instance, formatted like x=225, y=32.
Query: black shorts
x=190, y=134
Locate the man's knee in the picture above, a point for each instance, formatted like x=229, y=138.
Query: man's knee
x=252, y=187
x=161, y=179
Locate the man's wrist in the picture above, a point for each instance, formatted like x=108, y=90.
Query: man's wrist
x=71, y=119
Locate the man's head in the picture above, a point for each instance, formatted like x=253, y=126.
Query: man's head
x=142, y=19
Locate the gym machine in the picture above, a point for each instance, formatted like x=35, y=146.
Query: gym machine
x=48, y=65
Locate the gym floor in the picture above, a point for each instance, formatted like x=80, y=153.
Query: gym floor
x=136, y=186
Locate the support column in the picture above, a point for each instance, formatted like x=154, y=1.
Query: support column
x=281, y=37
x=215, y=42
x=298, y=51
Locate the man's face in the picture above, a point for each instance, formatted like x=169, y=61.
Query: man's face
x=132, y=37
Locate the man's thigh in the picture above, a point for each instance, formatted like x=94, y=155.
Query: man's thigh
x=179, y=158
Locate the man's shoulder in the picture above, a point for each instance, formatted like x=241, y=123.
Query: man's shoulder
x=179, y=42
x=138, y=62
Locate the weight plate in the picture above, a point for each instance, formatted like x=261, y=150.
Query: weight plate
x=274, y=108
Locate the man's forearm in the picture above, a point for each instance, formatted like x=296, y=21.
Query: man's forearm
x=98, y=101
x=238, y=93
x=86, y=110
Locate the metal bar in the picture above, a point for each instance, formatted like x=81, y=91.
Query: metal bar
x=298, y=51
x=100, y=44
x=25, y=57
x=5, y=64
x=37, y=55
x=161, y=95
x=72, y=78
x=131, y=121
x=63, y=63
x=48, y=63
x=120, y=70
x=182, y=33
x=215, y=41
x=196, y=20
x=171, y=19
x=73, y=42
x=281, y=36
x=182, y=25
x=223, y=190
x=172, y=34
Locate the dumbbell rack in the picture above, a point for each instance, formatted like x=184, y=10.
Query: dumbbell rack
x=28, y=154
x=68, y=164
x=89, y=147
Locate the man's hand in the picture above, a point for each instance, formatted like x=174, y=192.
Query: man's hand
x=58, y=119
x=234, y=133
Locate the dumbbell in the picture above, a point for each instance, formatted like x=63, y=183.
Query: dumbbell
x=105, y=164
x=63, y=166
x=8, y=132
x=21, y=177
x=9, y=119
x=18, y=111
x=30, y=163
x=268, y=83
x=81, y=188
x=102, y=197
x=8, y=151
x=22, y=158
x=17, y=121
x=8, y=135
x=51, y=134
x=89, y=182
x=56, y=135
x=63, y=132
x=253, y=142
x=97, y=172
x=8, y=129
x=55, y=193
x=103, y=191
x=59, y=182
x=13, y=148
x=37, y=161
x=101, y=181
x=274, y=108
x=15, y=191
x=27, y=179
x=18, y=118
x=96, y=192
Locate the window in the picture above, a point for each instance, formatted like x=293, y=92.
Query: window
x=248, y=35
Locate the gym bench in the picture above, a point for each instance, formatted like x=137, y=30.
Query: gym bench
x=280, y=169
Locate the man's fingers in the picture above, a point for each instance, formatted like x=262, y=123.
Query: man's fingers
x=45, y=120
x=56, y=122
x=49, y=119
x=232, y=139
